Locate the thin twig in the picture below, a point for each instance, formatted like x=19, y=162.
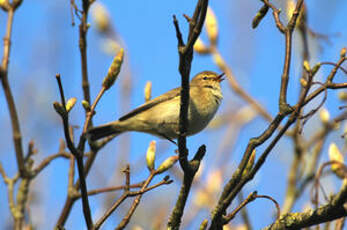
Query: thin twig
x=283, y=106
x=3, y=174
x=92, y=110
x=251, y=197
x=17, y=210
x=69, y=201
x=245, y=214
x=110, y=211
x=136, y=202
x=111, y=189
x=330, y=211
x=195, y=25
x=287, y=31
x=47, y=161
x=83, y=29
x=16, y=133
x=278, y=210
x=127, y=194
x=328, y=83
x=71, y=175
x=178, y=32
x=334, y=64
x=316, y=185
x=127, y=178
x=78, y=156
x=276, y=14
x=31, y=151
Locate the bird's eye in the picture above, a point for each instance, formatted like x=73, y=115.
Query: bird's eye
x=205, y=78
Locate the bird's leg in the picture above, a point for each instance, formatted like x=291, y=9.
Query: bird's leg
x=168, y=138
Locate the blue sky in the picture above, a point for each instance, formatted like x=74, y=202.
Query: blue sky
x=44, y=43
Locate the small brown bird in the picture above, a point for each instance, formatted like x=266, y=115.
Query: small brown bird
x=160, y=116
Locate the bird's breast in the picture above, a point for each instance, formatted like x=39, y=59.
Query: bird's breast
x=202, y=108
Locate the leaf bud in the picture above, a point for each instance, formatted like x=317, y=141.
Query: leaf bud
x=343, y=52
x=114, y=70
x=101, y=17
x=148, y=91
x=324, y=115
x=59, y=108
x=70, y=104
x=167, y=164
x=307, y=66
x=150, y=156
x=200, y=47
x=86, y=105
x=335, y=155
x=211, y=25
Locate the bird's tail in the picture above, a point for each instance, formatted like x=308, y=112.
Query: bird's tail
x=102, y=131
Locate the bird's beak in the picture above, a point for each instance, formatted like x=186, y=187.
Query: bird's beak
x=220, y=77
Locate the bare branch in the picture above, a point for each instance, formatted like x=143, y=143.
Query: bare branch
x=331, y=211
x=78, y=156
x=16, y=133
x=251, y=197
x=136, y=202
x=185, y=59
x=47, y=161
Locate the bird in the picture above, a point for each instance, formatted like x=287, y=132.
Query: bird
x=160, y=116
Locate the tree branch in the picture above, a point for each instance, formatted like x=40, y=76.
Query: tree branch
x=16, y=133
x=185, y=59
x=333, y=210
x=78, y=156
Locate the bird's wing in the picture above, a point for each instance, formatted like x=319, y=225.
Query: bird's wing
x=167, y=96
